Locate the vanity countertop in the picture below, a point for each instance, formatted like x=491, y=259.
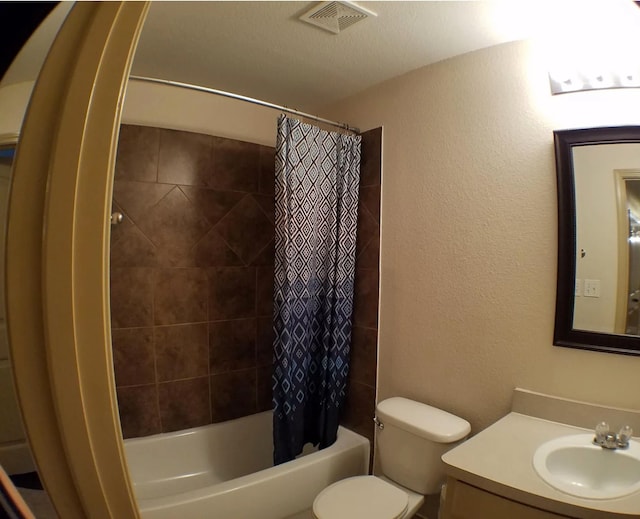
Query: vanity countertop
x=499, y=459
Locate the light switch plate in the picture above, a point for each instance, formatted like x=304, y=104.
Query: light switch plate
x=591, y=288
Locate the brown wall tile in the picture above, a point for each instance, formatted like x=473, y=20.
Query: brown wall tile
x=233, y=394
x=185, y=203
x=137, y=157
x=138, y=407
x=267, y=204
x=236, y=165
x=131, y=297
x=246, y=229
x=133, y=358
x=184, y=403
x=138, y=198
x=267, y=170
x=180, y=296
x=359, y=409
x=264, y=342
x=212, y=251
x=232, y=293
x=182, y=351
x=369, y=197
x=213, y=204
x=232, y=345
x=264, y=295
x=369, y=257
x=185, y=158
x=132, y=249
x=371, y=155
x=365, y=298
x=266, y=257
x=364, y=345
x=368, y=229
x=264, y=385
x=174, y=222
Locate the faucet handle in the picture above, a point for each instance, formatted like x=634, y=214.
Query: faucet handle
x=602, y=429
x=624, y=436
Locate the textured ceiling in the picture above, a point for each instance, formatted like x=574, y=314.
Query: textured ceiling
x=261, y=49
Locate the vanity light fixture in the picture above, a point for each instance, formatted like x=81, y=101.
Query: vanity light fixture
x=567, y=82
x=630, y=79
x=562, y=83
x=595, y=48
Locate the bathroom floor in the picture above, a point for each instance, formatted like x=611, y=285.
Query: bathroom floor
x=39, y=503
x=34, y=495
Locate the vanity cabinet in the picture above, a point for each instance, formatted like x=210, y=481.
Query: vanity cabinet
x=464, y=501
x=492, y=474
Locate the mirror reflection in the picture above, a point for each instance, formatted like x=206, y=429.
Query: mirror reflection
x=605, y=277
x=598, y=299
x=632, y=212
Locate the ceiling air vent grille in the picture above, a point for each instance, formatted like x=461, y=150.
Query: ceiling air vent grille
x=336, y=16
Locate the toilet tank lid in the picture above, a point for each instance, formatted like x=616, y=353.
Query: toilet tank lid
x=423, y=420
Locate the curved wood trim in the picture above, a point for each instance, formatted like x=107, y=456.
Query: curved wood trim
x=57, y=262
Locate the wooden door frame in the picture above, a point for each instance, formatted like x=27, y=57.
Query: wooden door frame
x=57, y=262
x=622, y=285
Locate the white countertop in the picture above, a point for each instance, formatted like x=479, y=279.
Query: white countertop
x=499, y=459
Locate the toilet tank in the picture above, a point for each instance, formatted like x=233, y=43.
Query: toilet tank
x=412, y=440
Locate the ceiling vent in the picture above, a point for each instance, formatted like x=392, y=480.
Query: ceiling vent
x=335, y=17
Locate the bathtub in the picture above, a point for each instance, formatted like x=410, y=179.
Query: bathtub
x=226, y=471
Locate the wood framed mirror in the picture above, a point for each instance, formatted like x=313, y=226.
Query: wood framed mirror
x=596, y=234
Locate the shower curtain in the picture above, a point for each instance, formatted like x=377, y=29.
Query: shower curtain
x=317, y=179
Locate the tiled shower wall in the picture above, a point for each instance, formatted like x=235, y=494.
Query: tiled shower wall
x=192, y=281
x=361, y=393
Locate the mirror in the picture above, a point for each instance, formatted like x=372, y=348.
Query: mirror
x=598, y=290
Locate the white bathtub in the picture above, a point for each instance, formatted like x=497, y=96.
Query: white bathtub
x=226, y=471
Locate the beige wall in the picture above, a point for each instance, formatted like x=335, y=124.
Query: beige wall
x=177, y=108
x=597, y=229
x=469, y=232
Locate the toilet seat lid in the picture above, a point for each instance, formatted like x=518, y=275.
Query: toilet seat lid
x=360, y=497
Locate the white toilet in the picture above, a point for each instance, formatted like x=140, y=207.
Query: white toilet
x=411, y=439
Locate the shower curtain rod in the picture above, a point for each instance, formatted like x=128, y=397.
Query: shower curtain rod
x=247, y=99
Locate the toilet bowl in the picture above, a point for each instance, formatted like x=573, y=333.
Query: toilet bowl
x=411, y=438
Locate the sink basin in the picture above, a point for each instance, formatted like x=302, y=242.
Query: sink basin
x=575, y=466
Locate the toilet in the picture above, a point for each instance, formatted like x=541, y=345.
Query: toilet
x=411, y=439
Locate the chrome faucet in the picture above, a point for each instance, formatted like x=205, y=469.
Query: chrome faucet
x=610, y=440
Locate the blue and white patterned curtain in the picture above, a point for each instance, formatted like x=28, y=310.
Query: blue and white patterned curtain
x=317, y=178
